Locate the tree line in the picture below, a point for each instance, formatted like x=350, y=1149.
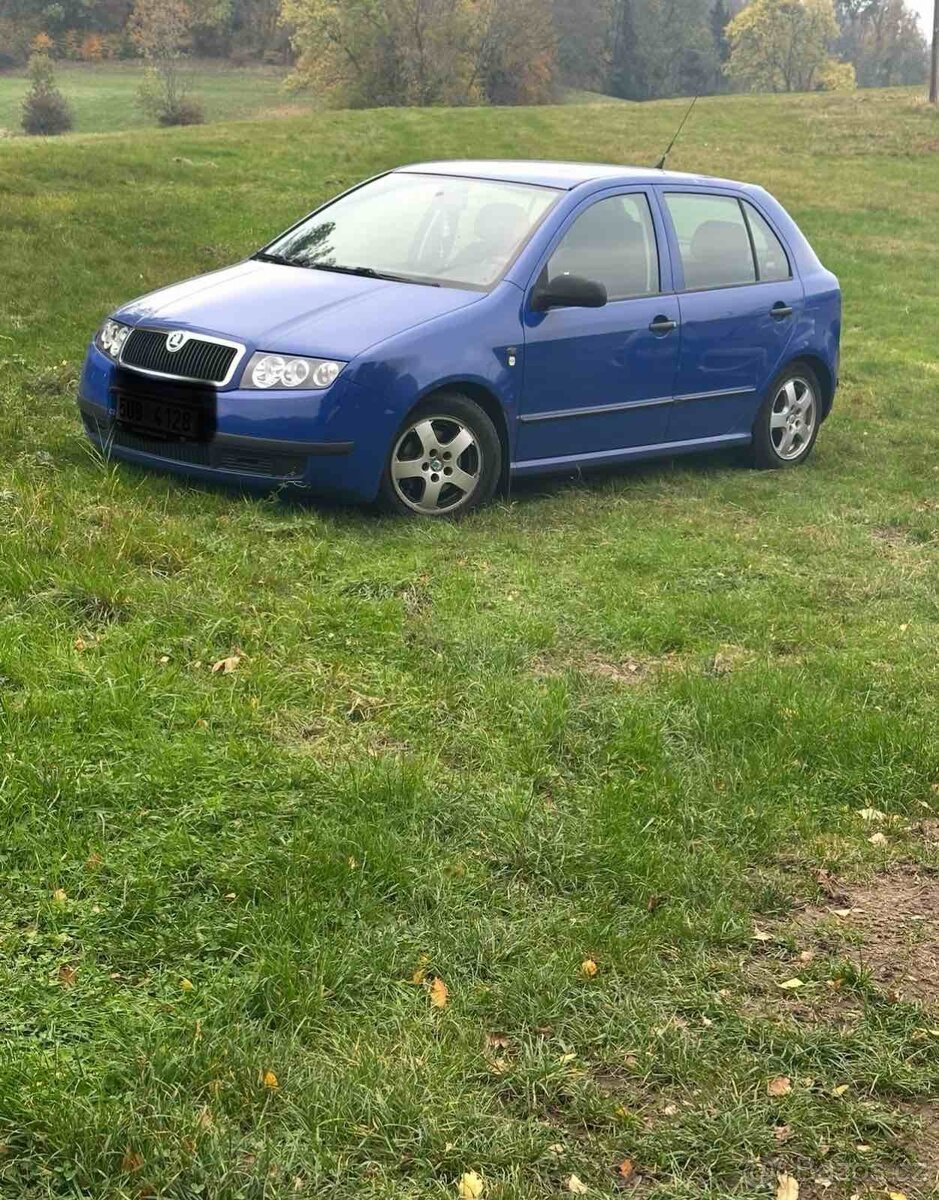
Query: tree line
x=420, y=52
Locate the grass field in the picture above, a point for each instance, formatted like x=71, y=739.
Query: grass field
x=103, y=96
x=630, y=721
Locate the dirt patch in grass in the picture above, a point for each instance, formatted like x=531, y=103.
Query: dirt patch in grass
x=627, y=670
x=889, y=928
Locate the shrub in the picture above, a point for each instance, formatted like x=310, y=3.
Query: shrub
x=835, y=76
x=186, y=111
x=45, y=109
x=163, y=95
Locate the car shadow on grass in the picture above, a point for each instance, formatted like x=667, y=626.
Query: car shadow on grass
x=524, y=490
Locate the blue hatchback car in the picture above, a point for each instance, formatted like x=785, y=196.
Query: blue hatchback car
x=444, y=326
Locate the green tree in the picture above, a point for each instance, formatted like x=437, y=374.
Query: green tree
x=662, y=48
x=783, y=46
x=45, y=109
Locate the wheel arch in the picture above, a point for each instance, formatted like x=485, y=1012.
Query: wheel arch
x=487, y=400
x=822, y=372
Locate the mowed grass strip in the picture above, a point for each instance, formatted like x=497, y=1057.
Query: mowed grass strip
x=627, y=720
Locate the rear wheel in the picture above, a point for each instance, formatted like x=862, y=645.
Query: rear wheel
x=787, y=424
x=445, y=460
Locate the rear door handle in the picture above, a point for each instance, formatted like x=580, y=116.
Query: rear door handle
x=663, y=325
x=779, y=311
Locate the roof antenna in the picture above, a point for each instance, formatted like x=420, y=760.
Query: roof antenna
x=660, y=165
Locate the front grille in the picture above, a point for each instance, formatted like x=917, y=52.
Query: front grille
x=209, y=362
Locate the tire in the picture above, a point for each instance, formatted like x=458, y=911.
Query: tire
x=449, y=432
x=789, y=418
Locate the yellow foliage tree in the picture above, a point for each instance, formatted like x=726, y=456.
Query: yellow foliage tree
x=372, y=53
x=783, y=46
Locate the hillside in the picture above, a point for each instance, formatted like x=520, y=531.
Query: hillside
x=630, y=720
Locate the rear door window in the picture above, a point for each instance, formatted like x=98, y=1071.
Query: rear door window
x=713, y=240
x=613, y=243
x=772, y=263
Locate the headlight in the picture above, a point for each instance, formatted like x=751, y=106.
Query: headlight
x=111, y=338
x=289, y=371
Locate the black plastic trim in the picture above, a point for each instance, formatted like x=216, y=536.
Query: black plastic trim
x=235, y=441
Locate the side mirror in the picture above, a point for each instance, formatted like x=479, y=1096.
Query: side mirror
x=568, y=291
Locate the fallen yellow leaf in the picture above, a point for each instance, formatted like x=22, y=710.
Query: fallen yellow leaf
x=186, y=984
x=577, y=1186
x=471, y=1186
x=840, y=1089
x=60, y=895
x=787, y=1187
x=132, y=1161
x=225, y=666
x=420, y=971
x=439, y=993
x=760, y=935
x=269, y=1079
x=588, y=968
x=897, y=1195
x=780, y=1086
x=871, y=814
x=791, y=985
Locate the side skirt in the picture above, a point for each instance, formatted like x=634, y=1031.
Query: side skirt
x=534, y=466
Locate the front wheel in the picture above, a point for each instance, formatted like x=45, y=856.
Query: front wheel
x=787, y=424
x=445, y=460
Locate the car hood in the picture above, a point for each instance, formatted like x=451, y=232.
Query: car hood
x=293, y=310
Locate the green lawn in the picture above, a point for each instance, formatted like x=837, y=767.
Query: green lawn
x=103, y=96
x=629, y=719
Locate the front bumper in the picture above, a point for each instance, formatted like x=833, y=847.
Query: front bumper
x=263, y=462
x=260, y=441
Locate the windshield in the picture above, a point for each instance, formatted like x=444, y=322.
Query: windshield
x=436, y=229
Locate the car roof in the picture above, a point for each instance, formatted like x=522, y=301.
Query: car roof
x=565, y=175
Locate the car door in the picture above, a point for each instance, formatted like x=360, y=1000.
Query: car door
x=598, y=380
x=739, y=301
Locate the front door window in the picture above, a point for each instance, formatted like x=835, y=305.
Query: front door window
x=612, y=243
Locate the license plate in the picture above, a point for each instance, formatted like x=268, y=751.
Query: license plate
x=157, y=416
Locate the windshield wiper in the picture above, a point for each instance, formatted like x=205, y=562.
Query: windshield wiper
x=371, y=273
x=266, y=256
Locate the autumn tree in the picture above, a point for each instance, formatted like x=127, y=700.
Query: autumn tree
x=883, y=40
x=367, y=53
x=784, y=46
x=161, y=30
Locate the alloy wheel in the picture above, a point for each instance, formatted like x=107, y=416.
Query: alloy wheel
x=435, y=466
x=792, y=418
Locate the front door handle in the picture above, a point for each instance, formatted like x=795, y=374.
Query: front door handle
x=663, y=325
x=779, y=311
